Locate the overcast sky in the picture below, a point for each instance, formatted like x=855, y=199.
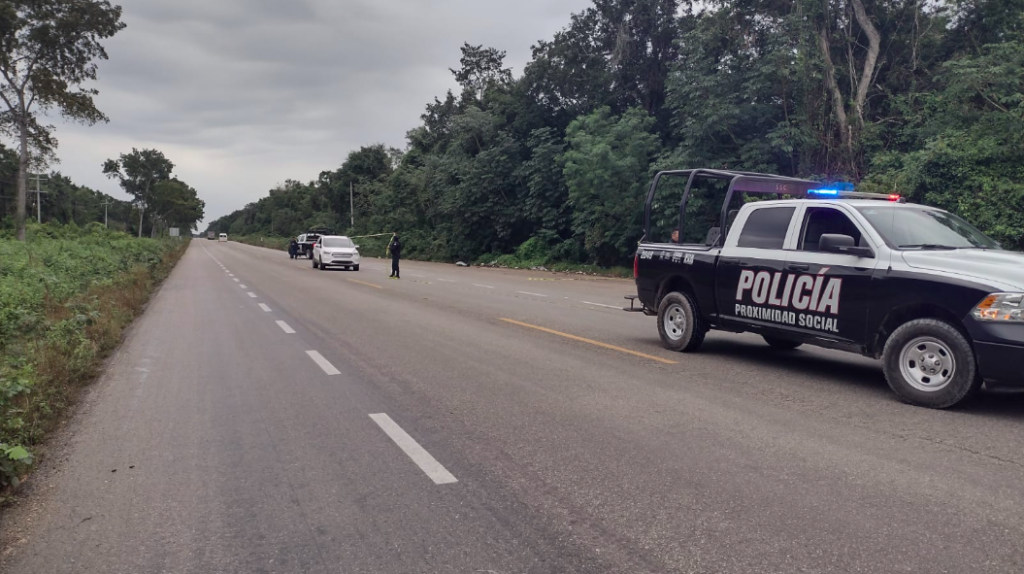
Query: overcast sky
x=244, y=94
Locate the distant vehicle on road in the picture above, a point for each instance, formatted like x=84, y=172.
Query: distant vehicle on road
x=939, y=302
x=335, y=250
x=308, y=239
x=211, y=235
x=223, y=237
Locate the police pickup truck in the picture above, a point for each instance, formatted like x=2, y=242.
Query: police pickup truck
x=308, y=240
x=940, y=304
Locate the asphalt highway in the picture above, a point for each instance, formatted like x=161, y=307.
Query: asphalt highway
x=266, y=417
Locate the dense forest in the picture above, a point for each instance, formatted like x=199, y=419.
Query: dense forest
x=921, y=98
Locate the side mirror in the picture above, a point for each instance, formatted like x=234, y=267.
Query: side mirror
x=357, y=247
x=842, y=244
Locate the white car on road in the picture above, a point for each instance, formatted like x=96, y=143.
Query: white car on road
x=335, y=250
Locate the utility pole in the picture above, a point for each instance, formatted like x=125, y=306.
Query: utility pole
x=105, y=204
x=351, y=203
x=39, y=199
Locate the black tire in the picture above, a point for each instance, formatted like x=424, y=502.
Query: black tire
x=355, y=268
x=688, y=330
x=309, y=253
x=322, y=266
x=314, y=264
x=929, y=363
x=781, y=344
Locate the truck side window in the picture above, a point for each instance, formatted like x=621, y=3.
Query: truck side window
x=766, y=228
x=822, y=220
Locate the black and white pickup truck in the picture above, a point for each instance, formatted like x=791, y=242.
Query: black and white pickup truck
x=940, y=304
x=308, y=240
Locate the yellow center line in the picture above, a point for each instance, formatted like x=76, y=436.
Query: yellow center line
x=590, y=341
x=375, y=286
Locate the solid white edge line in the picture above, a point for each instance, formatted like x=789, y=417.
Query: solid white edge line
x=264, y=307
x=419, y=455
x=415, y=275
x=323, y=363
x=529, y=293
x=484, y=286
x=284, y=327
x=251, y=294
x=600, y=305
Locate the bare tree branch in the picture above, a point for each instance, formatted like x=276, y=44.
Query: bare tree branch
x=874, y=46
x=837, y=95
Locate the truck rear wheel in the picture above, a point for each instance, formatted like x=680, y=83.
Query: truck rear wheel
x=781, y=344
x=679, y=323
x=929, y=363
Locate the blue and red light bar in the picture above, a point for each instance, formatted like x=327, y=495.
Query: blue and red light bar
x=836, y=192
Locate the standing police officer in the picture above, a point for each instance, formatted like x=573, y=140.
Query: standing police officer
x=395, y=247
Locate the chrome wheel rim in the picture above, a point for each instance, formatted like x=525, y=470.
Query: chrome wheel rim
x=674, y=322
x=927, y=364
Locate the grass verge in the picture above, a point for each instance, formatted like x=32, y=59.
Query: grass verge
x=66, y=297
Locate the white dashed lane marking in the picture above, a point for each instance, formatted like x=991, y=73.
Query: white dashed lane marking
x=323, y=363
x=264, y=307
x=484, y=286
x=251, y=294
x=284, y=327
x=534, y=294
x=419, y=455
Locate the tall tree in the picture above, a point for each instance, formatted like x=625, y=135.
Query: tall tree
x=176, y=204
x=138, y=172
x=481, y=68
x=48, y=50
x=606, y=170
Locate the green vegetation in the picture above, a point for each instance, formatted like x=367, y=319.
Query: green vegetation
x=169, y=203
x=65, y=297
x=921, y=98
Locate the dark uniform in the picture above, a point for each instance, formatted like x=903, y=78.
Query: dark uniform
x=395, y=247
x=293, y=249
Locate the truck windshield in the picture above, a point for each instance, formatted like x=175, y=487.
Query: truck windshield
x=337, y=242
x=908, y=227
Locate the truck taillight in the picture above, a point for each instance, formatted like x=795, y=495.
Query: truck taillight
x=636, y=265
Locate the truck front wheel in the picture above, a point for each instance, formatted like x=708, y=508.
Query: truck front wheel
x=679, y=323
x=929, y=363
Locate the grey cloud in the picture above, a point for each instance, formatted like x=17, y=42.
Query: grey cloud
x=251, y=92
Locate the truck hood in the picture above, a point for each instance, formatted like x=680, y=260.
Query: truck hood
x=1001, y=269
